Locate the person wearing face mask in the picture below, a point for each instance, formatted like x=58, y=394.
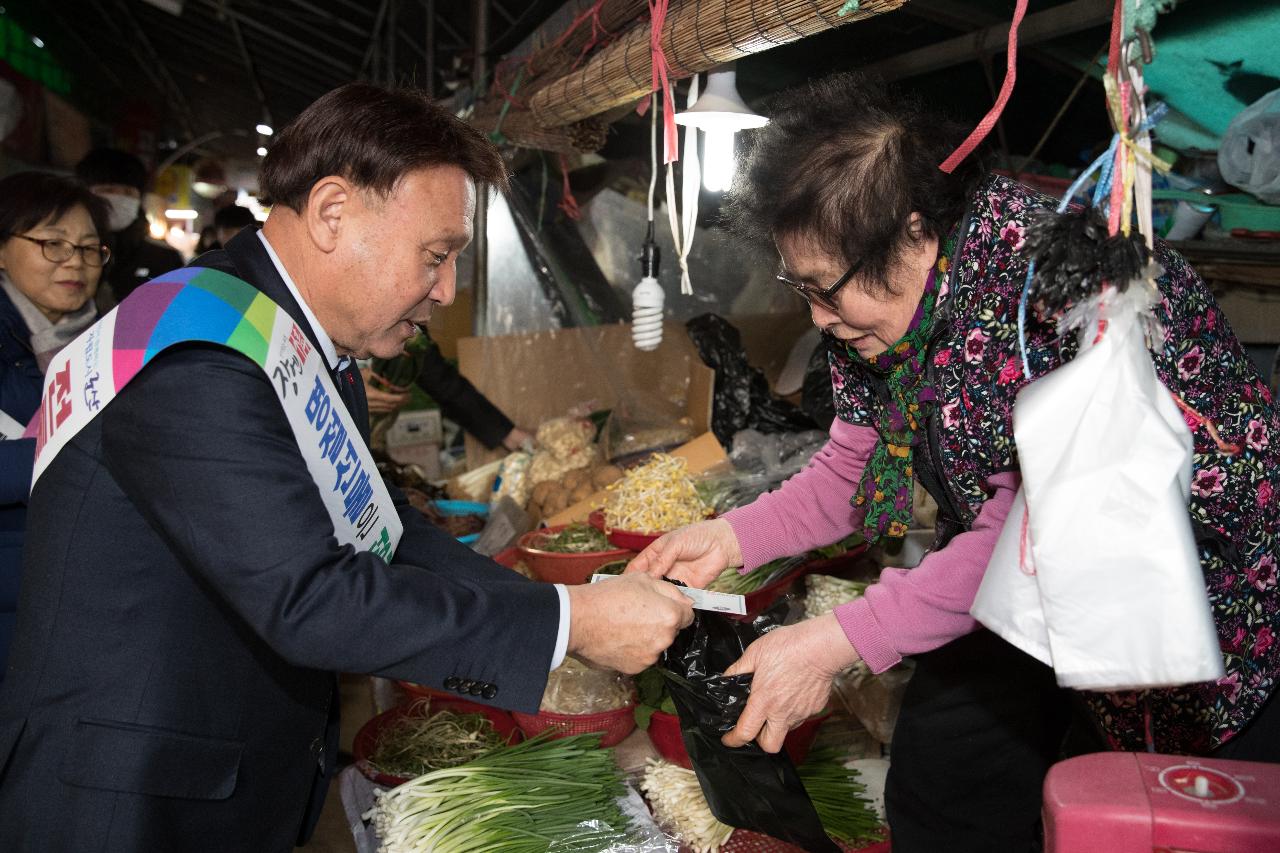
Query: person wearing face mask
x=120, y=179
x=51, y=259
x=915, y=277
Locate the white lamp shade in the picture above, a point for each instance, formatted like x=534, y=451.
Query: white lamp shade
x=720, y=105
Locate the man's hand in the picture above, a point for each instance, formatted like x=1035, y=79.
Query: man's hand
x=624, y=623
x=517, y=439
x=382, y=402
x=696, y=554
x=794, y=667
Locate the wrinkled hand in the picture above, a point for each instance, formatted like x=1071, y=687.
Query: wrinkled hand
x=696, y=554
x=794, y=667
x=624, y=623
x=382, y=402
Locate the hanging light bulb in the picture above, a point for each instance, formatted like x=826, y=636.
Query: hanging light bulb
x=717, y=159
x=720, y=112
x=647, y=298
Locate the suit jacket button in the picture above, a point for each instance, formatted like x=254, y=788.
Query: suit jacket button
x=465, y=685
x=452, y=682
x=489, y=691
x=476, y=689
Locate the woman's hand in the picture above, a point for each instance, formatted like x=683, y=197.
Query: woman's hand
x=382, y=402
x=696, y=554
x=794, y=667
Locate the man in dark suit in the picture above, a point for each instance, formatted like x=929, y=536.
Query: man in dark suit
x=185, y=601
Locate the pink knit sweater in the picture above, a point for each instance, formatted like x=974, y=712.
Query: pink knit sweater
x=908, y=611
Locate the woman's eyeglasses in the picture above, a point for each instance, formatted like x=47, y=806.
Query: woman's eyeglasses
x=60, y=251
x=823, y=297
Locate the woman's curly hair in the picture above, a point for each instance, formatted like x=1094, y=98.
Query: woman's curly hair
x=845, y=161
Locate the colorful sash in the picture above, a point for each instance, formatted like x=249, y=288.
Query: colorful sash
x=196, y=304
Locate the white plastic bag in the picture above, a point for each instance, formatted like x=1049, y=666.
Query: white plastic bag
x=1249, y=156
x=1101, y=579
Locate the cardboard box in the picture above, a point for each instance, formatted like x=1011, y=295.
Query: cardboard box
x=424, y=454
x=416, y=426
x=535, y=377
x=415, y=439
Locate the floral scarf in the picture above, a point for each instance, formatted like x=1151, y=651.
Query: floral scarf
x=884, y=493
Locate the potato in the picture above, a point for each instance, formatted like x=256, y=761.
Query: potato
x=543, y=489
x=557, y=502
x=576, y=478
x=557, y=493
x=583, y=491
x=605, y=475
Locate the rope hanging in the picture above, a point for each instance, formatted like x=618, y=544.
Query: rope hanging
x=1006, y=89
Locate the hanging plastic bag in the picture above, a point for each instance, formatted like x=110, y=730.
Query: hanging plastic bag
x=1096, y=571
x=742, y=397
x=745, y=787
x=1249, y=157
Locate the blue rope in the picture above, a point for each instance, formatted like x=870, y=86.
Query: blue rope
x=1104, y=158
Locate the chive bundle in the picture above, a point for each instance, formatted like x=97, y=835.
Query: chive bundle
x=517, y=799
x=839, y=798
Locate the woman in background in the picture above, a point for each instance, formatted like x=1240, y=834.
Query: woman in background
x=51, y=260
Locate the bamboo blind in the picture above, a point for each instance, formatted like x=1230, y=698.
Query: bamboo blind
x=698, y=35
x=556, y=56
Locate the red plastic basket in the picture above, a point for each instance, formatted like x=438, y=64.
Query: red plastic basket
x=555, y=567
x=614, y=725
x=414, y=691
x=664, y=733
x=366, y=740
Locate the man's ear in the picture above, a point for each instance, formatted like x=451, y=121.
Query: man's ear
x=327, y=204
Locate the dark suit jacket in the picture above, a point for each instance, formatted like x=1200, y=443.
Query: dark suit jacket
x=185, y=606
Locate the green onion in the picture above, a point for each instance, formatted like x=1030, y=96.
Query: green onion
x=516, y=799
x=839, y=798
x=740, y=584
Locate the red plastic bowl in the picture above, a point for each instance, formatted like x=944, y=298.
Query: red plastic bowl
x=555, y=567
x=629, y=539
x=613, y=725
x=366, y=740
x=664, y=733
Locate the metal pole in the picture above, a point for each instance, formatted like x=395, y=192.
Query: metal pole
x=480, y=268
x=431, y=49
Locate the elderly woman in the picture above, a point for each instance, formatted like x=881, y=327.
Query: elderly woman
x=51, y=258
x=915, y=278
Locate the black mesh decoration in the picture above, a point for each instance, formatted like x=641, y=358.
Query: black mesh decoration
x=1074, y=257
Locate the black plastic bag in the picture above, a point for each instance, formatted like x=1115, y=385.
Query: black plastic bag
x=742, y=397
x=745, y=787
